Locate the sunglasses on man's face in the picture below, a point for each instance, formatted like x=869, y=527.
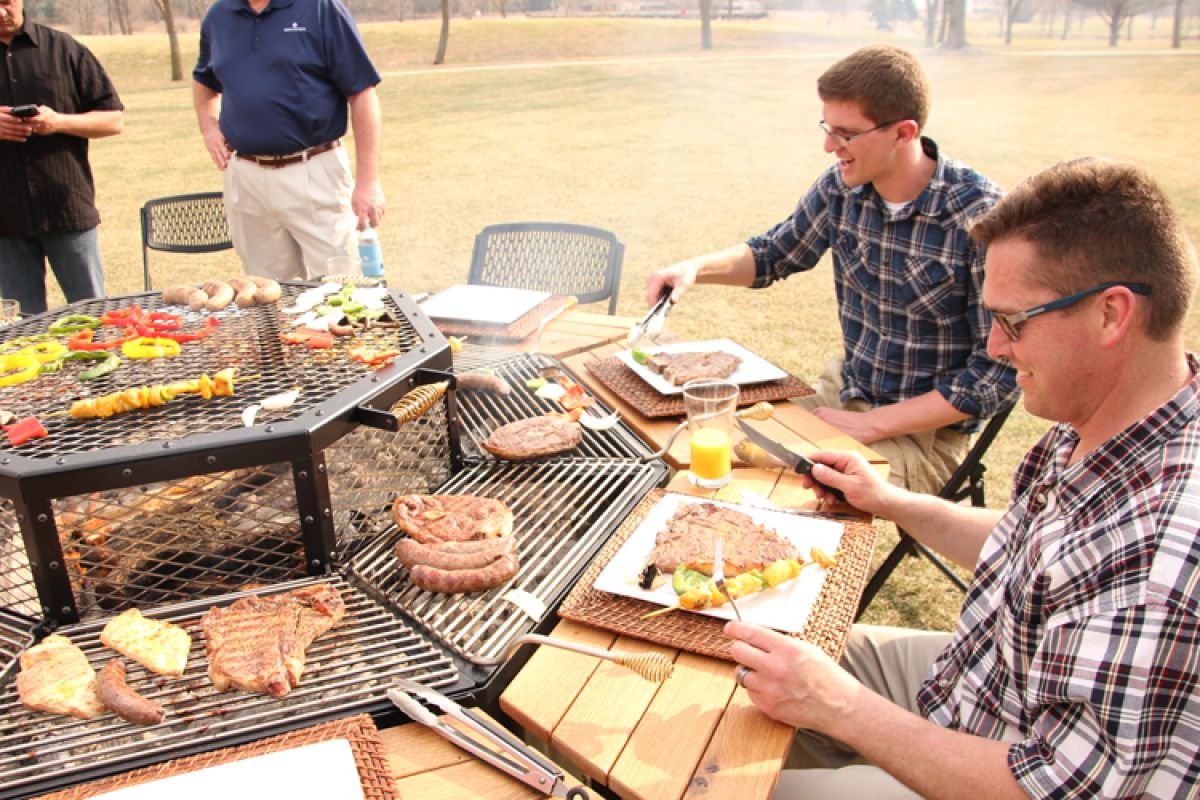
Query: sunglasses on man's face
x=1011, y=323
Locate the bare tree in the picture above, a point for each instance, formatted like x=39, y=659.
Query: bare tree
x=1011, y=9
x=1116, y=12
x=956, y=11
x=444, y=38
x=167, y=12
x=1177, y=30
x=706, y=24
x=932, y=14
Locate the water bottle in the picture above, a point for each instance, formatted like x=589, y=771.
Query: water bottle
x=370, y=253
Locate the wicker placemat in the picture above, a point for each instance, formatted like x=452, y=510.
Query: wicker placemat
x=827, y=625
x=373, y=772
x=515, y=331
x=649, y=402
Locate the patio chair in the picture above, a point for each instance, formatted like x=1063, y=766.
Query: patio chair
x=555, y=257
x=184, y=223
x=965, y=484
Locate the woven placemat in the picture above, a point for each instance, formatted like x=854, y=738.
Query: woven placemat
x=373, y=771
x=517, y=330
x=649, y=402
x=827, y=626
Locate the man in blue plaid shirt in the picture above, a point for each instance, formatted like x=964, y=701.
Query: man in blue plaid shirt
x=1074, y=670
x=914, y=378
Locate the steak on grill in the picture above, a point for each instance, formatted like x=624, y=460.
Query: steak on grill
x=679, y=368
x=258, y=643
x=534, y=437
x=434, y=518
x=691, y=538
x=55, y=676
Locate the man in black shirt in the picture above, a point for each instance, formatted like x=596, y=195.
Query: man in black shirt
x=47, y=200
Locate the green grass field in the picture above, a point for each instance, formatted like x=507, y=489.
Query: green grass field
x=627, y=125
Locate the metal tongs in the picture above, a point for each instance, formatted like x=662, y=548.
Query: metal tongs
x=515, y=757
x=651, y=325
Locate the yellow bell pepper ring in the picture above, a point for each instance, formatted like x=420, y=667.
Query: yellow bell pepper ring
x=18, y=367
x=45, y=351
x=150, y=347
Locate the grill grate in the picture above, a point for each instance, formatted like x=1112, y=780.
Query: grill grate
x=16, y=634
x=348, y=670
x=483, y=412
x=563, y=513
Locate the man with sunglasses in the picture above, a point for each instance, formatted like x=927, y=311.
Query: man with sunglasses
x=914, y=378
x=1074, y=670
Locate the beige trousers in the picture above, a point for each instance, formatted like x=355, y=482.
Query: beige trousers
x=891, y=662
x=287, y=223
x=920, y=462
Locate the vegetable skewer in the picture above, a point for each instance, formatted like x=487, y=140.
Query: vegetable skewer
x=219, y=385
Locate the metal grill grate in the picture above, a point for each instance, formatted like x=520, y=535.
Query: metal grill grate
x=483, y=412
x=563, y=513
x=347, y=670
x=16, y=634
x=247, y=338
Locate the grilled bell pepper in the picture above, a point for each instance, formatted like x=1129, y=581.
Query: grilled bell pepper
x=160, y=321
x=18, y=367
x=84, y=339
x=72, y=323
x=109, y=361
x=21, y=432
x=150, y=347
x=123, y=316
x=371, y=357
x=179, y=336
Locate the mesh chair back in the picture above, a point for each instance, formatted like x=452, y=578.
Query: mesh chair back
x=185, y=223
x=965, y=484
x=554, y=257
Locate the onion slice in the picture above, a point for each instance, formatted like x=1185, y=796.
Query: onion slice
x=595, y=423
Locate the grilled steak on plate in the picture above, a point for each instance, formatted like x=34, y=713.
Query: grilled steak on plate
x=691, y=538
x=55, y=676
x=534, y=437
x=259, y=643
x=679, y=368
x=434, y=518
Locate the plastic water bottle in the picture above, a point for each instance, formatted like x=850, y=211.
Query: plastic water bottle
x=371, y=253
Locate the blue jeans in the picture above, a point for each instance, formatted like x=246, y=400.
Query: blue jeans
x=74, y=256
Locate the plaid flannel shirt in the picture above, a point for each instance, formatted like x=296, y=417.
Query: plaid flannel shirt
x=908, y=287
x=1079, y=641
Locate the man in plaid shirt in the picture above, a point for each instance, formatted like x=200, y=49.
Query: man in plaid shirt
x=1074, y=668
x=915, y=377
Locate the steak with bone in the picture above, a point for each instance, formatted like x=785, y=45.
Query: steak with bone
x=434, y=518
x=259, y=644
x=533, y=438
x=679, y=368
x=690, y=538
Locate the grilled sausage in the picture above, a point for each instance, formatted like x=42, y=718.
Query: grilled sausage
x=123, y=701
x=220, y=294
x=504, y=544
x=410, y=552
x=269, y=289
x=457, y=581
x=481, y=381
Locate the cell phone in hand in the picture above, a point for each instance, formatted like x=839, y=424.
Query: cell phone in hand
x=29, y=110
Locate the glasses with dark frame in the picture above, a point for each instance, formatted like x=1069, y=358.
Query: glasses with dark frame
x=1011, y=323
x=846, y=138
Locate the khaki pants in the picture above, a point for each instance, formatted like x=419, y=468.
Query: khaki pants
x=287, y=223
x=920, y=462
x=892, y=662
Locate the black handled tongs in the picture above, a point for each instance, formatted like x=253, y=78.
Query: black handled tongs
x=514, y=758
x=651, y=325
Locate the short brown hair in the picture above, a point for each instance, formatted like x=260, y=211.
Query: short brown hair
x=886, y=81
x=1093, y=220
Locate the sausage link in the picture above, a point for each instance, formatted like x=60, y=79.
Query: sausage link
x=482, y=382
x=458, y=581
x=499, y=545
x=123, y=701
x=411, y=553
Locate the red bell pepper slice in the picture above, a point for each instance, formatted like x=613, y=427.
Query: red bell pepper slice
x=575, y=397
x=160, y=321
x=199, y=333
x=84, y=340
x=123, y=316
x=309, y=336
x=22, y=431
x=371, y=357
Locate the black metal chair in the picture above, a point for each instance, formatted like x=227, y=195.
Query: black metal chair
x=555, y=257
x=184, y=223
x=965, y=484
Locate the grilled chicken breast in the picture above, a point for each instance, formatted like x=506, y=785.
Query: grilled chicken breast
x=158, y=646
x=56, y=677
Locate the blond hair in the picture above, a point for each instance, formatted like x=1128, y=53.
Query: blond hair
x=885, y=81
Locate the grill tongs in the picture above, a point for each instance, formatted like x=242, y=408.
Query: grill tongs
x=515, y=757
x=651, y=325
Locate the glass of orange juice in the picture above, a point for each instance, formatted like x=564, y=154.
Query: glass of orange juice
x=710, y=404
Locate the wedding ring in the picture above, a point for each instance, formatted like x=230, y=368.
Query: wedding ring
x=740, y=673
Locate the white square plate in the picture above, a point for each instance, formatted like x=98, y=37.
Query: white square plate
x=753, y=369
x=784, y=608
x=490, y=305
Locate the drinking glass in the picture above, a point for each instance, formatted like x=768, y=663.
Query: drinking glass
x=710, y=404
x=10, y=312
x=344, y=267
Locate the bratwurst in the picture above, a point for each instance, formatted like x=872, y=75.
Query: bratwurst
x=123, y=701
x=456, y=581
x=453, y=555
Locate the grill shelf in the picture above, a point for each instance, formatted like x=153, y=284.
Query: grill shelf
x=348, y=670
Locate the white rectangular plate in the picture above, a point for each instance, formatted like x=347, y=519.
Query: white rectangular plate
x=784, y=608
x=320, y=771
x=490, y=305
x=753, y=369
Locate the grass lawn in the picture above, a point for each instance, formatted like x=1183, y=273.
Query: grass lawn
x=627, y=125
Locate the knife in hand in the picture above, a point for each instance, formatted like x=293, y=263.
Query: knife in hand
x=801, y=465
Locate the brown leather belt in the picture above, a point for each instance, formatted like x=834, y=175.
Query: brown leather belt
x=275, y=162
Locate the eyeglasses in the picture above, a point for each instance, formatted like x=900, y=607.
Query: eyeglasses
x=844, y=139
x=1011, y=323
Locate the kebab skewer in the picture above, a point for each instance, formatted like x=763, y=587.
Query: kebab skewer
x=221, y=384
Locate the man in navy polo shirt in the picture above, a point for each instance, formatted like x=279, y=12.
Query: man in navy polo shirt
x=271, y=90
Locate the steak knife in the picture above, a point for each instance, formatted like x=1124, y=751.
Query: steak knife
x=801, y=465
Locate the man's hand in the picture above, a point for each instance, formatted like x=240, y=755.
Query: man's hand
x=368, y=204
x=861, y=483
x=217, y=147
x=858, y=425
x=791, y=680
x=13, y=129
x=680, y=277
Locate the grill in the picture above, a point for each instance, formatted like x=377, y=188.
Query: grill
x=178, y=508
